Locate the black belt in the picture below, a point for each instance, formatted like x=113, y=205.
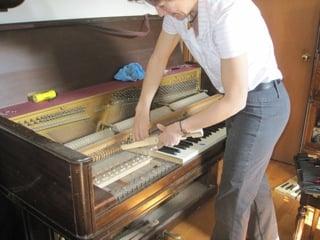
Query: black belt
x=264, y=86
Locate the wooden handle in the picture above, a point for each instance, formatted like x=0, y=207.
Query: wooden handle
x=154, y=140
x=195, y=134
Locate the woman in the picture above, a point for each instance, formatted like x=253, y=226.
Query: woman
x=231, y=42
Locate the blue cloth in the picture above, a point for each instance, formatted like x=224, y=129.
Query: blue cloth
x=130, y=72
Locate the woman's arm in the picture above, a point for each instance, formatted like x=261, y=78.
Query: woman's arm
x=165, y=45
x=234, y=72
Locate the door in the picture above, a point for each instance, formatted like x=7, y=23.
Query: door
x=293, y=26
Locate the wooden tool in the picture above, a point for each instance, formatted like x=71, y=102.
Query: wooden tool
x=154, y=140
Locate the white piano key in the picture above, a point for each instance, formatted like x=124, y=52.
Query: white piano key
x=186, y=155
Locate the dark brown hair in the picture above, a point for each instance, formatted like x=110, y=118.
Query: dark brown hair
x=152, y=2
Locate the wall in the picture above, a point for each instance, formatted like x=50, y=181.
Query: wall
x=67, y=57
x=48, y=10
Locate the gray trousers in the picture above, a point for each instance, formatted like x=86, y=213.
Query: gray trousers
x=244, y=204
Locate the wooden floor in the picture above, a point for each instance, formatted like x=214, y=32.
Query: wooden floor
x=198, y=226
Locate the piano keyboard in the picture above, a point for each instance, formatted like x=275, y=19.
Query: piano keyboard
x=191, y=147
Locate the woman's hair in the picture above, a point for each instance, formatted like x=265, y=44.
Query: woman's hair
x=152, y=2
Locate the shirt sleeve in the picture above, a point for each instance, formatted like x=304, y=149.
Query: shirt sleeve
x=230, y=32
x=168, y=25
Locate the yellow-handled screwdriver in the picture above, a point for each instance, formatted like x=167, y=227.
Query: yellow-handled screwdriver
x=42, y=96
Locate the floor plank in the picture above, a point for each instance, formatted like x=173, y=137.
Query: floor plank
x=198, y=225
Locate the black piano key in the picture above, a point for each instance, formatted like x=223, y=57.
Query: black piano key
x=289, y=187
x=208, y=128
x=194, y=140
x=285, y=184
x=190, y=139
x=171, y=149
x=206, y=133
x=213, y=129
x=174, y=149
x=180, y=146
x=186, y=143
x=165, y=150
x=217, y=126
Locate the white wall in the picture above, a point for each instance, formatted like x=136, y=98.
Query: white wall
x=46, y=10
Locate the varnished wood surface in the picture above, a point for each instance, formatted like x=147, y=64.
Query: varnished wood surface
x=48, y=179
x=199, y=225
x=293, y=25
x=315, y=86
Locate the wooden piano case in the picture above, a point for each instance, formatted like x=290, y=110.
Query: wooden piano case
x=53, y=182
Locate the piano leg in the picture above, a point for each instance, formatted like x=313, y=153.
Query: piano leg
x=35, y=229
x=213, y=177
x=11, y=224
x=300, y=222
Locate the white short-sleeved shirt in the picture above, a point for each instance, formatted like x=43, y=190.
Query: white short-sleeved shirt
x=227, y=29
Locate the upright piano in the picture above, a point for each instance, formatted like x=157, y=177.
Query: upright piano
x=61, y=160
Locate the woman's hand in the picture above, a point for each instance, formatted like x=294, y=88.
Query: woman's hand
x=141, y=124
x=170, y=135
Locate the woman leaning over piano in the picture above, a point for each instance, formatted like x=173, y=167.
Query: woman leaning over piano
x=231, y=42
